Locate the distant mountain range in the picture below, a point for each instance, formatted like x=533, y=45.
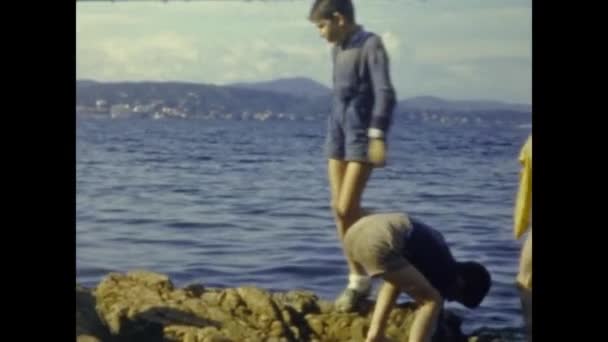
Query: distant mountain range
x=299, y=86
x=293, y=97
x=306, y=87
x=435, y=103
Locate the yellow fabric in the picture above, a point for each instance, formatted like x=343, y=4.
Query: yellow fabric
x=523, y=202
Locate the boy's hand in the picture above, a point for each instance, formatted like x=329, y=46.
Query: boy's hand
x=377, y=152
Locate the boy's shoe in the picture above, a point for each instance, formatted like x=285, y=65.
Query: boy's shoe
x=349, y=300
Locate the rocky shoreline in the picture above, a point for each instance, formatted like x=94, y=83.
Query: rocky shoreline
x=145, y=306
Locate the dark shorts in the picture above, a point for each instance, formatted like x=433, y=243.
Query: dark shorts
x=346, y=136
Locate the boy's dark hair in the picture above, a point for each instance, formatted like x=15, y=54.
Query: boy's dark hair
x=477, y=282
x=324, y=9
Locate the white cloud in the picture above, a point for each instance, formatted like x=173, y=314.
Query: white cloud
x=268, y=59
x=153, y=57
x=159, y=46
x=108, y=21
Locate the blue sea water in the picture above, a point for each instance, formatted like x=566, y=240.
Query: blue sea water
x=231, y=203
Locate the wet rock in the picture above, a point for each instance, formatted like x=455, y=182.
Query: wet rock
x=145, y=306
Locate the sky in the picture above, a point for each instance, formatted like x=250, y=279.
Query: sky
x=454, y=49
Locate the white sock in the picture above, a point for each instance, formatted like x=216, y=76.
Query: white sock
x=360, y=283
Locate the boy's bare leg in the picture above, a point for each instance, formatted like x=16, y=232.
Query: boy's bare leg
x=335, y=172
x=412, y=282
x=348, y=207
x=384, y=304
x=347, y=181
x=349, y=202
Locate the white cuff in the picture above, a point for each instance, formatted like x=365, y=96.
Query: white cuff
x=375, y=133
x=361, y=283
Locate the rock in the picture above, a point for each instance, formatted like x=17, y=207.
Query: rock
x=230, y=300
x=497, y=335
x=152, y=280
x=87, y=338
x=315, y=324
x=189, y=337
x=145, y=306
x=302, y=302
x=195, y=290
x=358, y=329
x=89, y=327
x=259, y=302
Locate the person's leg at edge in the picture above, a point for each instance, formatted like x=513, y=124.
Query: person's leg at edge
x=524, y=284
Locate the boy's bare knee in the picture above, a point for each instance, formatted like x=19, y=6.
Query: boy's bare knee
x=524, y=280
x=341, y=214
x=335, y=208
x=524, y=274
x=346, y=213
x=340, y=210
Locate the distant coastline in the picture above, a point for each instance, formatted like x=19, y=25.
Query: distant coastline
x=284, y=99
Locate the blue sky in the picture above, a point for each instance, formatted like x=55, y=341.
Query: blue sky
x=455, y=49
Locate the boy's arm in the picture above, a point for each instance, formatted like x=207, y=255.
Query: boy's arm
x=384, y=94
x=384, y=304
x=409, y=280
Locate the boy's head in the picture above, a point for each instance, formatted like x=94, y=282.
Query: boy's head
x=476, y=282
x=333, y=18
